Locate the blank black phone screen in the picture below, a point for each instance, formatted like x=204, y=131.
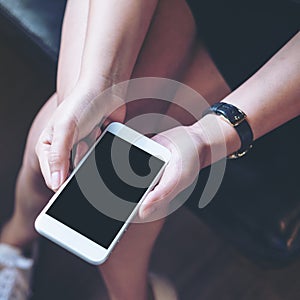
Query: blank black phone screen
x=119, y=164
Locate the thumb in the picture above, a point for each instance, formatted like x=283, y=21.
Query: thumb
x=59, y=153
x=161, y=195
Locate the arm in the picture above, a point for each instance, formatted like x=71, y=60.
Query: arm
x=115, y=33
x=270, y=98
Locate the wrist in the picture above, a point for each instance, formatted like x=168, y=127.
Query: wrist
x=93, y=87
x=104, y=97
x=236, y=118
x=215, y=139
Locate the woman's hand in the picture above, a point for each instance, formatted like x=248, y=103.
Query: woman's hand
x=78, y=117
x=274, y=88
x=185, y=144
x=192, y=149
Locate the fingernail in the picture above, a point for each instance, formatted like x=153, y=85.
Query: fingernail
x=55, y=180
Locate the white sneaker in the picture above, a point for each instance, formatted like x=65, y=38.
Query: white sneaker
x=162, y=288
x=15, y=274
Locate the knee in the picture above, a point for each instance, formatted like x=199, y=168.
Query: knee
x=30, y=163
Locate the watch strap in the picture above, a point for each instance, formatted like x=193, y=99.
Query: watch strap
x=238, y=119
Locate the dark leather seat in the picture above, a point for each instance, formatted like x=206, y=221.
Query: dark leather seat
x=258, y=205
x=34, y=26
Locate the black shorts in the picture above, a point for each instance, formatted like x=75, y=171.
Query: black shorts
x=242, y=35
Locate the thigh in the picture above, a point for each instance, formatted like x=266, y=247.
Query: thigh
x=166, y=50
x=203, y=76
x=173, y=50
x=169, y=43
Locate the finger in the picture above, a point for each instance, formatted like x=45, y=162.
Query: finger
x=162, y=194
x=156, y=199
x=42, y=154
x=81, y=149
x=84, y=145
x=94, y=135
x=106, y=123
x=98, y=133
x=59, y=153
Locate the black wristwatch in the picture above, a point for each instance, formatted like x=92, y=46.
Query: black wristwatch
x=238, y=119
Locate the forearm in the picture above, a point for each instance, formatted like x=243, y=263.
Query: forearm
x=115, y=34
x=270, y=98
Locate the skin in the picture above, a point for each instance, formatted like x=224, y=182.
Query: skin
x=273, y=100
x=102, y=45
x=123, y=281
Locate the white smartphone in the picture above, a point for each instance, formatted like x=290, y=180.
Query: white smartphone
x=93, y=208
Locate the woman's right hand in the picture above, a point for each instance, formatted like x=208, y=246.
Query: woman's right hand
x=76, y=118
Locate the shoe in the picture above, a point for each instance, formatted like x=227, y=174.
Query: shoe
x=15, y=274
x=162, y=289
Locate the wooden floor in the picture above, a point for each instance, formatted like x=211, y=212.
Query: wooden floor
x=200, y=263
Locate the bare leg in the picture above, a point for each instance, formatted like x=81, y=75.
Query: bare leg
x=165, y=52
x=169, y=51
x=31, y=191
x=203, y=76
